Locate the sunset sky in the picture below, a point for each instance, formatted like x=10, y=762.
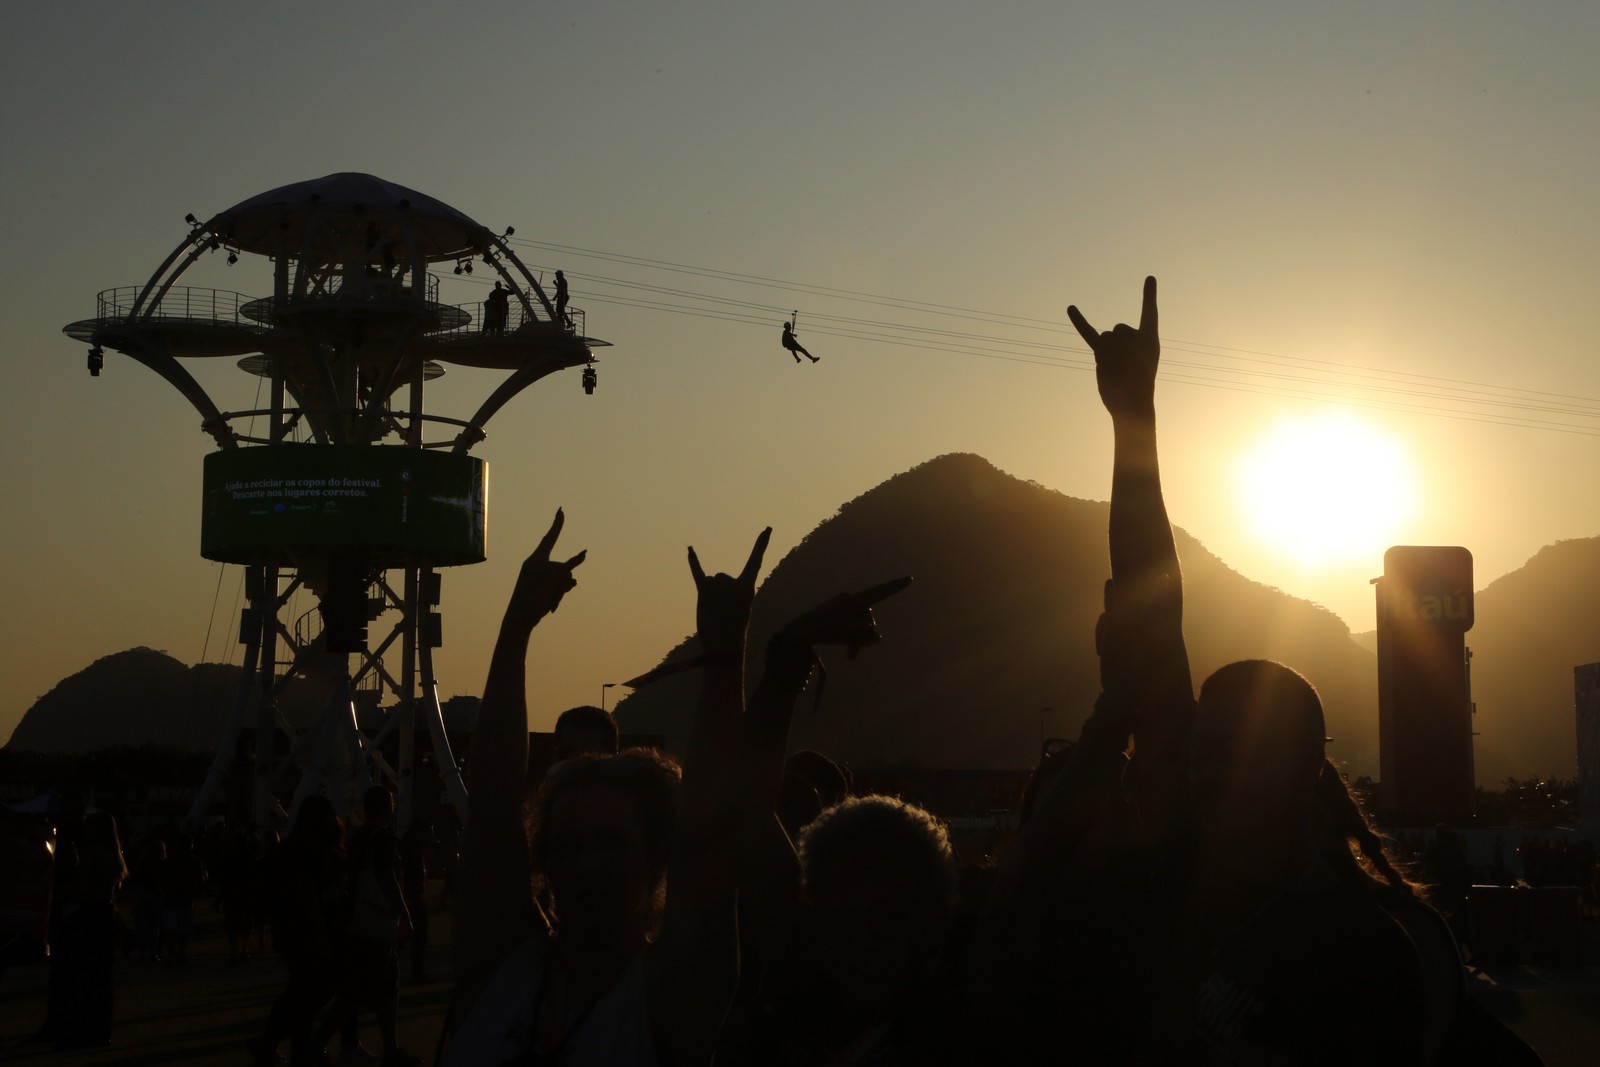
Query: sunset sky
x=1376, y=217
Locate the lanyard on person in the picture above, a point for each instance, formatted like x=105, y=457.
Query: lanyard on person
x=552, y=1033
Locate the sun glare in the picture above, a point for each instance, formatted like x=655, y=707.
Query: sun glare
x=1326, y=490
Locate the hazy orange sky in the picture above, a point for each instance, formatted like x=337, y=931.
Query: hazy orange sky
x=1382, y=210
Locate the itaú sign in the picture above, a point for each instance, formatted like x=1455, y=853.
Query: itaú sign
x=1424, y=693
x=1430, y=584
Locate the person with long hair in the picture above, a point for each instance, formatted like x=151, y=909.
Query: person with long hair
x=1267, y=930
x=1263, y=935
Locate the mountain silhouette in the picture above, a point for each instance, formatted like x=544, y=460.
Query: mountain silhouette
x=1531, y=628
x=142, y=697
x=999, y=624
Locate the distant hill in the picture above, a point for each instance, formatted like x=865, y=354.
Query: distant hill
x=140, y=697
x=1531, y=628
x=1000, y=624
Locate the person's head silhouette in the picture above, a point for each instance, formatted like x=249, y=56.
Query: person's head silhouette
x=601, y=830
x=585, y=730
x=1256, y=751
x=880, y=878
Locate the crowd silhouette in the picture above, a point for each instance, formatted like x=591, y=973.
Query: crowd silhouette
x=1191, y=880
x=1217, y=896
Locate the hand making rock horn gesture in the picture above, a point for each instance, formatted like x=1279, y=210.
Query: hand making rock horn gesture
x=1125, y=358
x=542, y=581
x=497, y=911
x=722, y=614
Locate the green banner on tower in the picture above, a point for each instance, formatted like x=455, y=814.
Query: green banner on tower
x=403, y=505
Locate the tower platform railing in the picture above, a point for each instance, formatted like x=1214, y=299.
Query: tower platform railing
x=516, y=319
x=224, y=307
x=424, y=420
x=179, y=304
x=373, y=284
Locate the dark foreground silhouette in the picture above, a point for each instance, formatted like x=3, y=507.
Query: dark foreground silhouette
x=1219, y=897
x=1192, y=881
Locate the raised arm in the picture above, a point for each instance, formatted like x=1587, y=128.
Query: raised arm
x=1149, y=673
x=768, y=870
x=496, y=909
x=1071, y=850
x=694, y=964
x=1053, y=903
x=1125, y=362
x=722, y=621
x=844, y=620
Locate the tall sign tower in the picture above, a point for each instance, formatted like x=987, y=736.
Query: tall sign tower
x=1425, y=609
x=343, y=485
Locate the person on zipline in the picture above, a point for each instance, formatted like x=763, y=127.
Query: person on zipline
x=795, y=348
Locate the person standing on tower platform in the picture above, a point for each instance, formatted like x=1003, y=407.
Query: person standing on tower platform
x=495, y=310
x=561, y=300
x=795, y=348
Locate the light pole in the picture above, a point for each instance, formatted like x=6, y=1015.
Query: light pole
x=603, y=688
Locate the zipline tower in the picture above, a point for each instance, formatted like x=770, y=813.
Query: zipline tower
x=343, y=480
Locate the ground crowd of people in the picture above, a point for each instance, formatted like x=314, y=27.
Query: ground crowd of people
x=296, y=899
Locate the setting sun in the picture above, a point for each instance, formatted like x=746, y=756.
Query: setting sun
x=1326, y=490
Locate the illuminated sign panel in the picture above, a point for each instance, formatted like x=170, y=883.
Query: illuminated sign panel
x=1425, y=608
x=399, y=504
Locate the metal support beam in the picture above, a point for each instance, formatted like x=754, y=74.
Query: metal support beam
x=252, y=623
x=449, y=773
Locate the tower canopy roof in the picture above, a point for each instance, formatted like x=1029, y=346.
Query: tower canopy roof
x=280, y=219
